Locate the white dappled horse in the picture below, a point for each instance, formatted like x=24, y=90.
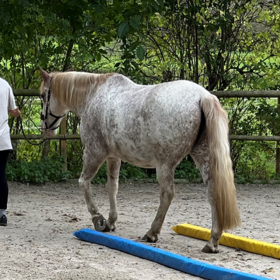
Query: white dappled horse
x=151, y=126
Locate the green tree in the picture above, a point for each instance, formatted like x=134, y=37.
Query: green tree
x=222, y=45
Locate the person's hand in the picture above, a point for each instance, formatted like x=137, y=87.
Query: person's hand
x=15, y=113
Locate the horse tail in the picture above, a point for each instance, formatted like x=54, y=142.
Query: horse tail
x=224, y=192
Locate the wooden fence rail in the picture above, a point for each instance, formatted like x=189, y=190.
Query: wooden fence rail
x=221, y=94
x=77, y=136
x=226, y=94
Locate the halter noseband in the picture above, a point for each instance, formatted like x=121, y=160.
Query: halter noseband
x=44, y=118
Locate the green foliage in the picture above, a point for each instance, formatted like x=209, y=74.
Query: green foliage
x=256, y=162
x=123, y=29
x=222, y=45
x=187, y=170
x=101, y=176
x=37, y=172
x=75, y=157
x=253, y=117
x=129, y=171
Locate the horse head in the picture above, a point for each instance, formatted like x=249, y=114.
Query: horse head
x=52, y=110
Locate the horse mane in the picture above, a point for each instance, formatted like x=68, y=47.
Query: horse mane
x=71, y=88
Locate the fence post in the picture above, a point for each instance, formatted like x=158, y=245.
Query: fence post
x=63, y=144
x=277, y=169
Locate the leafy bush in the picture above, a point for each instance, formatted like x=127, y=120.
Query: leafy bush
x=187, y=170
x=127, y=171
x=101, y=176
x=257, y=162
x=37, y=172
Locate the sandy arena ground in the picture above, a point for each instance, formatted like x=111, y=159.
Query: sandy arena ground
x=38, y=242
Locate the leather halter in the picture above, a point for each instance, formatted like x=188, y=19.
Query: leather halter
x=44, y=118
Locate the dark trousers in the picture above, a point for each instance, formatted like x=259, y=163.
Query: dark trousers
x=3, y=182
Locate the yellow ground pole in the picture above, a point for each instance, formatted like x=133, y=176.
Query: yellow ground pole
x=231, y=240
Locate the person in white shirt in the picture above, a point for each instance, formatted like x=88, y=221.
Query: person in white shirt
x=7, y=105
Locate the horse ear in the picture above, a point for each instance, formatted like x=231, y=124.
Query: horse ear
x=45, y=76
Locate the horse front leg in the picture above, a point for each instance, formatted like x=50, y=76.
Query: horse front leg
x=165, y=176
x=91, y=166
x=113, y=167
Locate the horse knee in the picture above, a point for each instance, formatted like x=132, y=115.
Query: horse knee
x=169, y=194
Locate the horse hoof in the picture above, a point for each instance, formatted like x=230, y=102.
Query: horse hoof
x=208, y=249
x=100, y=224
x=150, y=239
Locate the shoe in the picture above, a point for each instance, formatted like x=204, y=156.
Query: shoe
x=3, y=221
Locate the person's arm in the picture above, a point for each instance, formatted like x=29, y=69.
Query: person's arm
x=15, y=113
x=12, y=108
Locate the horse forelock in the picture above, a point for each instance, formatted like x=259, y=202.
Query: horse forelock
x=71, y=88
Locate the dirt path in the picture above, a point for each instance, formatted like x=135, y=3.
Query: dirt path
x=38, y=242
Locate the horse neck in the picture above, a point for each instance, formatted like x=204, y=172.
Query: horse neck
x=79, y=110
x=77, y=88
x=70, y=102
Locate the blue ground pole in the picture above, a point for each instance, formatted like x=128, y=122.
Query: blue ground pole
x=178, y=262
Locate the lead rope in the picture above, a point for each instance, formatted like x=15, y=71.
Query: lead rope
x=32, y=143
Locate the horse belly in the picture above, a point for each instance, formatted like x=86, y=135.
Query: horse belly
x=157, y=141
x=130, y=151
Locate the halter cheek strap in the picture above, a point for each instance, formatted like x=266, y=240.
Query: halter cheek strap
x=45, y=117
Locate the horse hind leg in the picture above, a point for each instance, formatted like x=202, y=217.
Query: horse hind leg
x=91, y=166
x=113, y=167
x=165, y=176
x=200, y=156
